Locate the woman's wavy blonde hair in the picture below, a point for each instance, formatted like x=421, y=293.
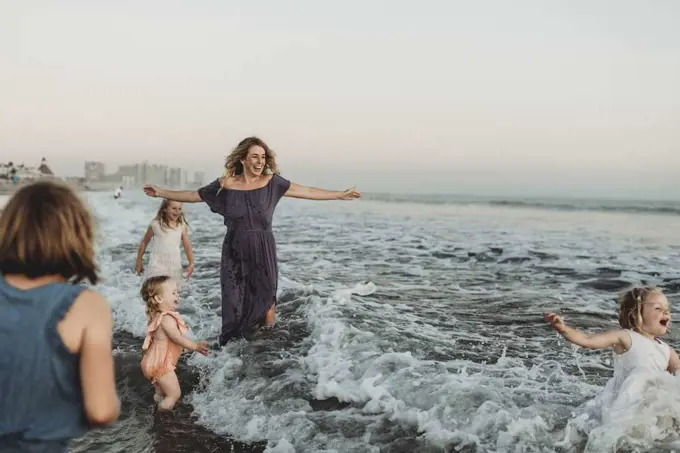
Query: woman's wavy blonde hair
x=233, y=165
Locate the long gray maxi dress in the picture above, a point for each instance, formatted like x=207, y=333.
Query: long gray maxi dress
x=248, y=271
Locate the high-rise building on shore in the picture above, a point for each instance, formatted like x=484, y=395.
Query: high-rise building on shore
x=199, y=178
x=139, y=174
x=95, y=171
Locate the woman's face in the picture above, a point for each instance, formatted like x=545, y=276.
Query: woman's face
x=255, y=161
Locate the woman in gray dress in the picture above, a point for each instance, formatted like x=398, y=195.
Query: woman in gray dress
x=246, y=198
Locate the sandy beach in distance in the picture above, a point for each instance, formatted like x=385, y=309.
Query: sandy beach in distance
x=7, y=188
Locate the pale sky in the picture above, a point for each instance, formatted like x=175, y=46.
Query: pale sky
x=542, y=97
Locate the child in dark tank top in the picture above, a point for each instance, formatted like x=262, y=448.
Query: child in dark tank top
x=56, y=365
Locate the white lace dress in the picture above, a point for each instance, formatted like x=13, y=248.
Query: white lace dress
x=165, y=256
x=641, y=402
x=635, y=372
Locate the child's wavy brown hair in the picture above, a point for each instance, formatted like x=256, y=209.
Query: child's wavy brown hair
x=630, y=306
x=151, y=288
x=45, y=229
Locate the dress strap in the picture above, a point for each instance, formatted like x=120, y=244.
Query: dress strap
x=155, y=323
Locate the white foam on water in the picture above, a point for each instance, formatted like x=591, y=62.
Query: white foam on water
x=412, y=355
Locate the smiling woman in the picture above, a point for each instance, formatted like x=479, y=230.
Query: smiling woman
x=246, y=197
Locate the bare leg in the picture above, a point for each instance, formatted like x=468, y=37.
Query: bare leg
x=169, y=385
x=269, y=318
x=158, y=396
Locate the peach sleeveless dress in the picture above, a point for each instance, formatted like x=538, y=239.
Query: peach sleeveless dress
x=161, y=356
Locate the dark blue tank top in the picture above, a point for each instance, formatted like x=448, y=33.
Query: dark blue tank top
x=41, y=403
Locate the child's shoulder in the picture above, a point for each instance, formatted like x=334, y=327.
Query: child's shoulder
x=93, y=303
x=160, y=318
x=173, y=319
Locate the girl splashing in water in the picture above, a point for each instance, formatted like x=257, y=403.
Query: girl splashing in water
x=168, y=230
x=165, y=339
x=643, y=363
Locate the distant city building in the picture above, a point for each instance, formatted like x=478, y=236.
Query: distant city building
x=6, y=170
x=95, y=171
x=175, y=177
x=136, y=175
x=144, y=173
x=132, y=174
x=23, y=172
x=44, y=169
x=199, y=178
x=127, y=181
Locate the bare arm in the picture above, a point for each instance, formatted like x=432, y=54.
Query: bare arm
x=187, y=246
x=618, y=339
x=674, y=362
x=142, y=247
x=170, y=328
x=313, y=193
x=97, y=375
x=184, y=196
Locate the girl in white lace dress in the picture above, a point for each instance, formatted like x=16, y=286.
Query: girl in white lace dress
x=644, y=367
x=168, y=230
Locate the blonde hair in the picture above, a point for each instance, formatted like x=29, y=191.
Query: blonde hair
x=151, y=288
x=161, y=215
x=630, y=306
x=233, y=165
x=45, y=229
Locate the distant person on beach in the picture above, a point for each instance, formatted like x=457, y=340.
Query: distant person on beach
x=165, y=339
x=168, y=230
x=246, y=197
x=118, y=192
x=643, y=362
x=56, y=365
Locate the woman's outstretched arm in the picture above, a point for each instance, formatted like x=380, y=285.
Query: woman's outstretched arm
x=184, y=196
x=312, y=193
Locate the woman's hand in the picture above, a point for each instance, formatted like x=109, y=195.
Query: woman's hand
x=350, y=194
x=139, y=268
x=152, y=191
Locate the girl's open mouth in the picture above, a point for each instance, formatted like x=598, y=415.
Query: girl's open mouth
x=664, y=322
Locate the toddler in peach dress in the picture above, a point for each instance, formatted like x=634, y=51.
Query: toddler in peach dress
x=165, y=339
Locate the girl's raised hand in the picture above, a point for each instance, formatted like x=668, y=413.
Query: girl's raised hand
x=555, y=321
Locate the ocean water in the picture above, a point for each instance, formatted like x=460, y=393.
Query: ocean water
x=404, y=324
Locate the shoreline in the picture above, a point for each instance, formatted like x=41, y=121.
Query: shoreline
x=8, y=187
